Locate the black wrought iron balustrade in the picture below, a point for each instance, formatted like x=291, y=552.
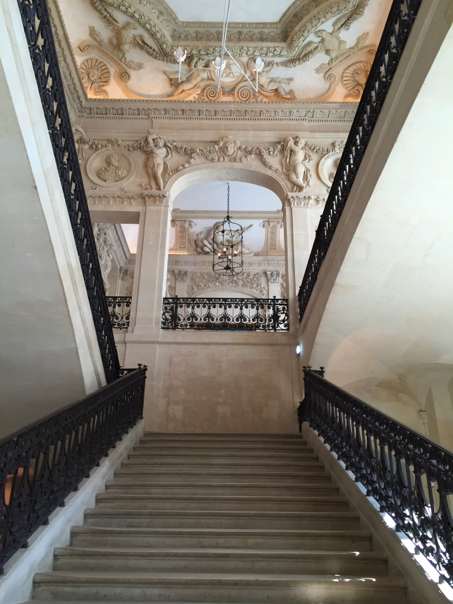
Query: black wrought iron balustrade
x=119, y=311
x=43, y=463
x=396, y=32
x=225, y=314
x=410, y=476
x=38, y=32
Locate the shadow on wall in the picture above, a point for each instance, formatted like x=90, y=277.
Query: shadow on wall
x=419, y=396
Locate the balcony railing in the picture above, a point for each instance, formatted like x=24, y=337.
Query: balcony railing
x=38, y=31
x=410, y=476
x=43, y=463
x=396, y=32
x=225, y=314
x=119, y=311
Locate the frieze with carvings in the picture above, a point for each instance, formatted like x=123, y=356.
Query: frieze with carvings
x=293, y=159
x=199, y=282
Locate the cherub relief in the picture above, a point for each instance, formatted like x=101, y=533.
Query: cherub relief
x=192, y=81
x=295, y=160
x=159, y=150
x=272, y=85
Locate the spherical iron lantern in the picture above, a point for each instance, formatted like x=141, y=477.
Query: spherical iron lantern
x=227, y=245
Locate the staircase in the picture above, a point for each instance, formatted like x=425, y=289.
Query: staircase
x=220, y=518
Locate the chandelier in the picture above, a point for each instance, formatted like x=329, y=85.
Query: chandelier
x=227, y=245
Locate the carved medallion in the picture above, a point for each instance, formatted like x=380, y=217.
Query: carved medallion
x=111, y=166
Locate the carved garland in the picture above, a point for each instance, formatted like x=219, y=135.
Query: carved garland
x=226, y=150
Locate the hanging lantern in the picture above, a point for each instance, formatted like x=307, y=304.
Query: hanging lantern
x=227, y=245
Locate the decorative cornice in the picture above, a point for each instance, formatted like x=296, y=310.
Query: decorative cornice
x=222, y=111
x=205, y=262
x=218, y=215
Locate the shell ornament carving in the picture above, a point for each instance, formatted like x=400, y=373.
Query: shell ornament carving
x=95, y=76
x=354, y=79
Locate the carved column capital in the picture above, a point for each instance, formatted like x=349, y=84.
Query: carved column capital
x=273, y=276
x=298, y=200
x=156, y=198
x=181, y=276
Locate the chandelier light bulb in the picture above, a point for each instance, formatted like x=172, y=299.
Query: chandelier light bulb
x=218, y=64
x=180, y=54
x=259, y=64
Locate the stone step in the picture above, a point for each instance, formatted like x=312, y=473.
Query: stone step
x=138, y=457
x=190, y=502
x=221, y=519
x=221, y=446
x=220, y=561
x=203, y=474
x=87, y=536
x=169, y=466
x=242, y=438
x=310, y=485
x=251, y=588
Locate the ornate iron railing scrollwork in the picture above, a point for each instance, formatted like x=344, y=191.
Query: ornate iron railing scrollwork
x=225, y=314
x=396, y=33
x=410, y=476
x=43, y=463
x=38, y=32
x=119, y=311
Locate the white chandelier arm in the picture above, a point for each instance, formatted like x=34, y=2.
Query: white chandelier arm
x=242, y=71
x=224, y=38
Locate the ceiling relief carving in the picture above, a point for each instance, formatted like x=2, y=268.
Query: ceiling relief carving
x=95, y=76
x=136, y=40
x=295, y=160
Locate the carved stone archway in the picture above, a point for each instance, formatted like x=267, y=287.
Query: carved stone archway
x=205, y=173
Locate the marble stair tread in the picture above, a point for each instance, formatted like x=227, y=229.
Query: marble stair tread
x=219, y=459
x=246, y=437
x=219, y=561
x=242, y=470
x=254, y=587
x=222, y=519
x=235, y=448
x=94, y=576
x=227, y=502
x=216, y=513
x=321, y=487
x=325, y=478
x=118, y=497
x=214, y=552
x=318, y=534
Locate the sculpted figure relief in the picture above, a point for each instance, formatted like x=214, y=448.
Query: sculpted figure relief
x=112, y=172
x=295, y=160
x=192, y=81
x=207, y=245
x=268, y=84
x=159, y=150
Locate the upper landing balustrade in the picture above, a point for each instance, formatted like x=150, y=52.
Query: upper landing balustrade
x=214, y=314
x=225, y=314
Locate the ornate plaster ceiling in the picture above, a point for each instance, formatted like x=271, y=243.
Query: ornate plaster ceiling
x=251, y=11
x=318, y=50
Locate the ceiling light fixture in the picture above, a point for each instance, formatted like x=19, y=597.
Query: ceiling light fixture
x=219, y=62
x=227, y=245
